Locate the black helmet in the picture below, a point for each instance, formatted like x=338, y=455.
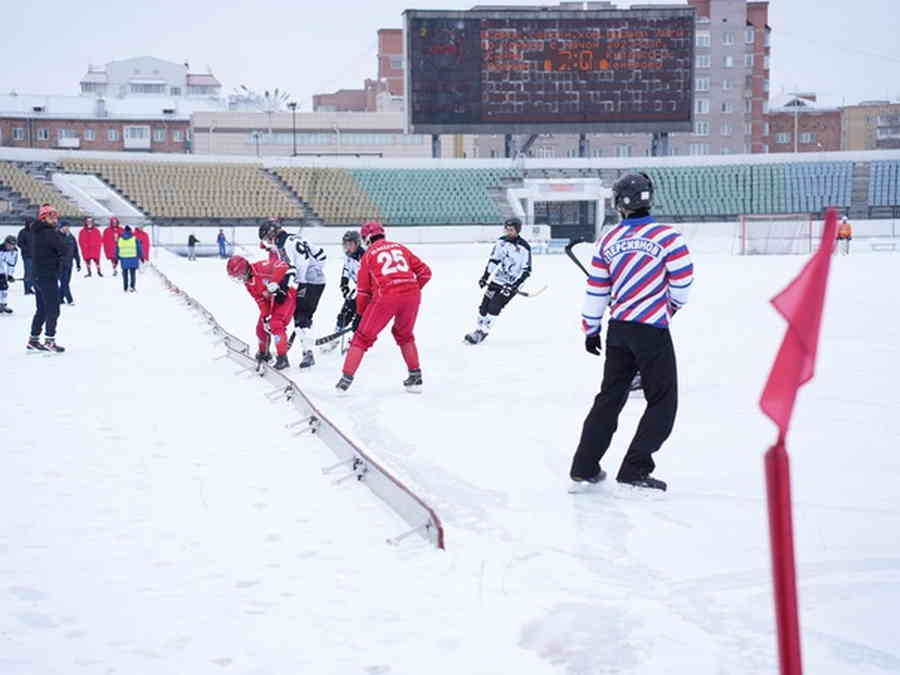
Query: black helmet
x=10, y=240
x=633, y=192
x=265, y=231
x=351, y=235
x=513, y=222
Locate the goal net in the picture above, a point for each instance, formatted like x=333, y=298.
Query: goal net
x=777, y=234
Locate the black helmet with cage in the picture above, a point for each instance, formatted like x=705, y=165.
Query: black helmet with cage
x=632, y=193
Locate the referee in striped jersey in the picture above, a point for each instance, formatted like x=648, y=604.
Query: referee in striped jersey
x=642, y=271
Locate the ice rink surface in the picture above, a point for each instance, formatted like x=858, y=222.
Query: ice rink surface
x=159, y=518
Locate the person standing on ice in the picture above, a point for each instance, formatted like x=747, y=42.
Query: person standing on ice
x=192, y=247
x=144, y=240
x=844, y=235
x=643, y=272
x=220, y=240
x=130, y=255
x=9, y=256
x=25, y=245
x=353, y=252
x=71, y=257
x=389, y=286
x=49, y=247
x=271, y=283
x=308, y=261
x=90, y=241
x=110, y=236
x=510, y=263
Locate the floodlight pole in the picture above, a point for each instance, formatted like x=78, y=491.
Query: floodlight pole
x=293, y=106
x=659, y=146
x=584, y=146
x=435, y=145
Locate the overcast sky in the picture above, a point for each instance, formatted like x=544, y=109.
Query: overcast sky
x=846, y=50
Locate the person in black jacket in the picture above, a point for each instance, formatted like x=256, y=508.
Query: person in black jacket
x=71, y=256
x=24, y=241
x=192, y=247
x=47, y=253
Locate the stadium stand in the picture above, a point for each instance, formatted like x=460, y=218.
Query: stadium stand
x=181, y=190
x=884, y=186
x=34, y=192
x=332, y=194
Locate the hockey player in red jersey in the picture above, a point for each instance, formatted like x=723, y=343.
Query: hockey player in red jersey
x=388, y=287
x=272, y=285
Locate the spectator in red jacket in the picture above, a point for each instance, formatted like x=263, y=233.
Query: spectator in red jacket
x=110, y=240
x=144, y=240
x=90, y=241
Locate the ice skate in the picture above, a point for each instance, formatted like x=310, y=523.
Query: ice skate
x=645, y=481
x=281, y=362
x=413, y=383
x=475, y=337
x=308, y=359
x=34, y=345
x=344, y=383
x=51, y=346
x=263, y=357
x=4, y=309
x=581, y=484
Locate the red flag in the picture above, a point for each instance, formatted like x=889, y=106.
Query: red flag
x=801, y=305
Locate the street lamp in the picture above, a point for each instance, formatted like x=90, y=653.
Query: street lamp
x=293, y=106
x=255, y=135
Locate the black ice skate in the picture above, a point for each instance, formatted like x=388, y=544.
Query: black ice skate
x=88, y=274
x=344, y=383
x=99, y=273
x=5, y=310
x=281, y=362
x=475, y=337
x=413, y=383
x=596, y=478
x=645, y=481
x=51, y=346
x=34, y=345
x=263, y=357
x=308, y=359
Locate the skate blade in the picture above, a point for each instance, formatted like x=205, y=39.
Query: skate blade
x=414, y=389
x=584, y=487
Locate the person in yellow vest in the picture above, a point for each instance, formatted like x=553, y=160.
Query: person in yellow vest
x=129, y=253
x=844, y=235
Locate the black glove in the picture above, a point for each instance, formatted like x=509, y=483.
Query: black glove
x=593, y=343
x=356, y=320
x=79, y=268
x=10, y=278
x=280, y=296
x=482, y=282
x=508, y=291
x=345, y=290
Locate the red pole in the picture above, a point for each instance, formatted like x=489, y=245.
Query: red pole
x=784, y=576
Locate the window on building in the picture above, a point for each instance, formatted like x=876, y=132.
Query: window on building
x=748, y=105
x=702, y=19
x=765, y=85
x=623, y=150
x=702, y=84
x=174, y=91
x=702, y=106
x=728, y=61
x=725, y=150
x=782, y=138
x=159, y=135
x=701, y=128
x=19, y=134
x=728, y=38
x=727, y=129
x=808, y=137
x=727, y=85
x=148, y=89
x=749, y=35
x=765, y=107
x=748, y=148
x=176, y=136
x=112, y=135
x=43, y=134
x=396, y=61
x=766, y=148
x=136, y=133
x=703, y=61
x=66, y=133
x=748, y=128
x=89, y=135
x=727, y=107
x=766, y=62
x=698, y=149
x=702, y=38
x=748, y=60
x=765, y=128
x=768, y=36
x=597, y=152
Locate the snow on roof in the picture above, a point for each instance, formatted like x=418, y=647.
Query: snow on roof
x=207, y=80
x=95, y=76
x=86, y=106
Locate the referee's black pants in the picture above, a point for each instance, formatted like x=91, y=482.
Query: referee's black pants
x=631, y=348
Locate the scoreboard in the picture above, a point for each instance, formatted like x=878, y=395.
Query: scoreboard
x=527, y=71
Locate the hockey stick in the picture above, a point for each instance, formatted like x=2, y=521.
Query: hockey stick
x=572, y=243
x=334, y=336
x=533, y=294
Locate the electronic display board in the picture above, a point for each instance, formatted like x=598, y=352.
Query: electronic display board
x=527, y=71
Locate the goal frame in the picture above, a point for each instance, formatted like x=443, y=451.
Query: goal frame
x=747, y=220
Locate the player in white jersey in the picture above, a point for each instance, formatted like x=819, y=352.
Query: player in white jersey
x=353, y=252
x=642, y=271
x=309, y=262
x=510, y=263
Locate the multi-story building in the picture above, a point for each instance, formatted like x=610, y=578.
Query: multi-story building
x=148, y=76
x=859, y=123
x=797, y=123
x=887, y=134
x=731, y=90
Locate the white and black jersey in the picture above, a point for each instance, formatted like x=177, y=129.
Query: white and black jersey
x=307, y=259
x=8, y=260
x=510, y=262
x=351, y=266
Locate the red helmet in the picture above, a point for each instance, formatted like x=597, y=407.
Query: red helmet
x=238, y=267
x=113, y=221
x=371, y=229
x=46, y=211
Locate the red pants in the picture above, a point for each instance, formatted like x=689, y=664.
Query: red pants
x=280, y=318
x=403, y=309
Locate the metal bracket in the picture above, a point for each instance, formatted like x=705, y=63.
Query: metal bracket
x=358, y=470
x=393, y=541
x=287, y=392
x=312, y=425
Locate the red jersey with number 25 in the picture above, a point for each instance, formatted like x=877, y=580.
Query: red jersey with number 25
x=388, y=268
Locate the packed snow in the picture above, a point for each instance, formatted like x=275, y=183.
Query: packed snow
x=160, y=518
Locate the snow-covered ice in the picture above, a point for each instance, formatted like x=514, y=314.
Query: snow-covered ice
x=159, y=518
